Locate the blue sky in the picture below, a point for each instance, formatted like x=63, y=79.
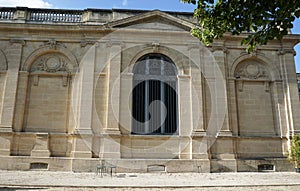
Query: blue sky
x=165, y=5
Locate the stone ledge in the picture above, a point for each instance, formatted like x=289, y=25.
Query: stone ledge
x=5, y=129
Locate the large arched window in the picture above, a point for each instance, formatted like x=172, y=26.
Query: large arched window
x=154, y=96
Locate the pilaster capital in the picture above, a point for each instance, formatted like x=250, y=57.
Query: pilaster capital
x=85, y=43
x=191, y=46
x=115, y=43
x=17, y=41
x=52, y=43
x=284, y=51
x=223, y=49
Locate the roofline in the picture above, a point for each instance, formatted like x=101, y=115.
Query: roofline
x=105, y=10
x=148, y=14
x=25, y=14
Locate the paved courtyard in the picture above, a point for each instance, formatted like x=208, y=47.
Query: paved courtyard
x=45, y=180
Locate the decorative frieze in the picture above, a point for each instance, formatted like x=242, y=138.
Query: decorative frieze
x=53, y=44
x=252, y=70
x=85, y=43
x=283, y=51
x=254, y=53
x=110, y=43
x=53, y=63
x=17, y=41
x=220, y=48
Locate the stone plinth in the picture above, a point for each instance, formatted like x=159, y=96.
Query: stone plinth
x=40, y=148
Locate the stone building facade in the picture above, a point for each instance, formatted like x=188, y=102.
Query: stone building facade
x=133, y=87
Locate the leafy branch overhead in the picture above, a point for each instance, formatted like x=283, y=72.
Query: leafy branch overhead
x=262, y=20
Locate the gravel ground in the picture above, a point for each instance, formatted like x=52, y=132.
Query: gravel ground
x=45, y=180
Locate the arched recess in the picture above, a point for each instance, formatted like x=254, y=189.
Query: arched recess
x=189, y=80
x=46, y=50
x=255, y=101
x=49, y=88
x=273, y=71
x=133, y=54
x=154, y=96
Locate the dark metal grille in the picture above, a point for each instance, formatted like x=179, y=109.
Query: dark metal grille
x=154, y=100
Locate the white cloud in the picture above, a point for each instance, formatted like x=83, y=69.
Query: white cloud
x=125, y=2
x=25, y=3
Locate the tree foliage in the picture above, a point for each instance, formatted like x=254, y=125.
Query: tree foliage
x=263, y=20
x=294, y=153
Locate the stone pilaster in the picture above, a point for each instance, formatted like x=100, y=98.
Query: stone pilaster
x=290, y=90
x=218, y=113
x=219, y=53
x=21, y=101
x=279, y=100
x=215, y=72
x=184, y=89
x=197, y=92
x=125, y=105
x=86, y=83
x=113, y=104
x=233, y=114
x=14, y=54
x=82, y=139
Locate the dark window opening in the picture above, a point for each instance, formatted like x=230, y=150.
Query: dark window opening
x=154, y=96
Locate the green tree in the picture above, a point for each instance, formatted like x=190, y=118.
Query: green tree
x=262, y=20
x=294, y=152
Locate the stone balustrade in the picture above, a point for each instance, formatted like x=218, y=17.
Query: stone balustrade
x=7, y=13
x=52, y=15
x=36, y=15
x=40, y=15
